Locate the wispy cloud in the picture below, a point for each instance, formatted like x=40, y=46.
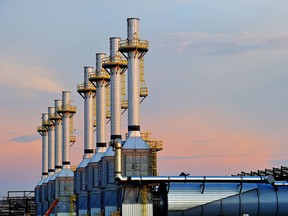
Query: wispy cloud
x=201, y=42
x=27, y=77
x=25, y=139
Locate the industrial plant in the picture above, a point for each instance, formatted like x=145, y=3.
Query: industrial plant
x=119, y=176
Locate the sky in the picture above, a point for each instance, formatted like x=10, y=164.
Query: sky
x=216, y=72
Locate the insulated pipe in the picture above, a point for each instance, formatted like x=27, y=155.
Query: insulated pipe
x=100, y=104
x=58, y=138
x=160, y=179
x=88, y=114
x=133, y=78
x=65, y=130
x=203, y=179
x=44, y=148
x=115, y=89
x=118, y=160
x=51, y=142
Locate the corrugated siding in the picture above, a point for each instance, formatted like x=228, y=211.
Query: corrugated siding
x=109, y=210
x=137, y=209
x=184, y=196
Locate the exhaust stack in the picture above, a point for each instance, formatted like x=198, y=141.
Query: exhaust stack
x=135, y=49
x=51, y=142
x=87, y=91
x=43, y=132
x=101, y=80
x=66, y=111
x=116, y=66
x=58, y=137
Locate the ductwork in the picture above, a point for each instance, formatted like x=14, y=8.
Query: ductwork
x=167, y=179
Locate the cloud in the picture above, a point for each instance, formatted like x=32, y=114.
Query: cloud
x=201, y=42
x=27, y=77
x=25, y=139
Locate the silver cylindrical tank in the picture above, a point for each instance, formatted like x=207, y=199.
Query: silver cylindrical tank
x=211, y=199
x=58, y=138
x=115, y=89
x=88, y=114
x=51, y=142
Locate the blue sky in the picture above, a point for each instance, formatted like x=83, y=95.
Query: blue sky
x=216, y=72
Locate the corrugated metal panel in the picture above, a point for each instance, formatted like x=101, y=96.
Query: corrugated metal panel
x=137, y=209
x=110, y=209
x=184, y=196
x=135, y=143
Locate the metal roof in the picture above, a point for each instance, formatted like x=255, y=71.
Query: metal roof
x=46, y=180
x=53, y=177
x=135, y=143
x=65, y=173
x=84, y=163
x=97, y=157
x=109, y=152
x=41, y=181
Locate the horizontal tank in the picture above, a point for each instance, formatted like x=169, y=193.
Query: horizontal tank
x=211, y=199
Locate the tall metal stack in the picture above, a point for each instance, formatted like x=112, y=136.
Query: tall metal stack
x=101, y=81
x=38, y=190
x=64, y=181
x=115, y=65
x=135, y=151
x=51, y=159
x=87, y=91
x=56, y=119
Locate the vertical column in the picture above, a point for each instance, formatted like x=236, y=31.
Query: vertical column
x=133, y=76
x=88, y=112
x=115, y=89
x=51, y=142
x=58, y=138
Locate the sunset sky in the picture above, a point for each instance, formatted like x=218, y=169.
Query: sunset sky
x=217, y=73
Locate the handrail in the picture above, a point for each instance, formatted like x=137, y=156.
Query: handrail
x=119, y=60
x=85, y=86
x=133, y=43
x=64, y=108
